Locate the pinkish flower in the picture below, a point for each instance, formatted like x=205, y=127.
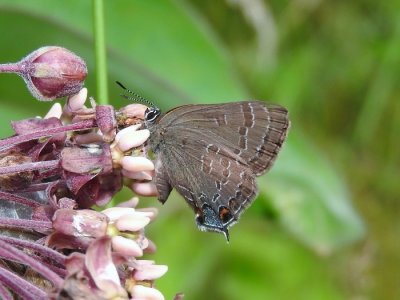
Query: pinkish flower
x=77, y=228
x=136, y=166
x=93, y=274
x=54, y=169
x=91, y=163
x=105, y=275
x=126, y=227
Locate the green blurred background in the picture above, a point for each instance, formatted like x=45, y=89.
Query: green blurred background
x=326, y=223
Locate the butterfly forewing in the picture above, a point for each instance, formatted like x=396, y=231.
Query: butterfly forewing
x=252, y=129
x=211, y=155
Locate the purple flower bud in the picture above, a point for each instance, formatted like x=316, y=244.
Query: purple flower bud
x=50, y=72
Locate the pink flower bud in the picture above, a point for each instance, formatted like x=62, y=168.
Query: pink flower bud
x=147, y=270
x=148, y=293
x=75, y=102
x=50, y=72
x=54, y=112
x=126, y=246
x=137, y=163
x=129, y=139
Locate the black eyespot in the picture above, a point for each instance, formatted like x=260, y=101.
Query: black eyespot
x=151, y=114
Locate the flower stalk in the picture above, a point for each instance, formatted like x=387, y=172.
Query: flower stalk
x=7, y=251
x=40, y=165
x=4, y=196
x=11, y=68
x=14, y=140
x=21, y=287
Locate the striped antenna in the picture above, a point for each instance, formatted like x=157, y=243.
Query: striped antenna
x=135, y=97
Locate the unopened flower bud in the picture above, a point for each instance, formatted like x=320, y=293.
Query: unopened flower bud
x=144, y=292
x=50, y=72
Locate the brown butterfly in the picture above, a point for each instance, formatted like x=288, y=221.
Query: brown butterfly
x=211, y=154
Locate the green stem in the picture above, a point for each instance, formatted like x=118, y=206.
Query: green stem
x=100, y=51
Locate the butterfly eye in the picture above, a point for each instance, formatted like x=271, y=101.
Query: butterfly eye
x=151, y=114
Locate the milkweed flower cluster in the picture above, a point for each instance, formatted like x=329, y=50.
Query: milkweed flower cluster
x=53, y=170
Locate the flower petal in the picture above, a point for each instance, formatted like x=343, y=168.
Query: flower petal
x=137, y=163
x=76, y=102
x=99, y=262
x=114, y=213
x=126, y=246
x=127, y=131
x=150, y=272
x=150, y=212
x=132, y=203
x=147, y=293
x=131, y=222
x=144, y=188
x=133, y=139
x=54, y=112
x=142, y=175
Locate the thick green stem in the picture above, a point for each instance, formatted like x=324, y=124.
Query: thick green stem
x=100, y=51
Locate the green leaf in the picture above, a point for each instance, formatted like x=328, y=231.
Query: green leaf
x=182, y=62
x=310, y=198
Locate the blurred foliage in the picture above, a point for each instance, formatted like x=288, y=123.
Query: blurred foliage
x=334, y=64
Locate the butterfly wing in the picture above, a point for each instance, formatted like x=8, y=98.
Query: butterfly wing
x=254, y=130
x=211, y=154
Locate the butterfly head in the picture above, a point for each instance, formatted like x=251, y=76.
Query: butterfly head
x=151, y=114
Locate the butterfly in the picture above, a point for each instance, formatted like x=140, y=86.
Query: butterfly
x=212, y=153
